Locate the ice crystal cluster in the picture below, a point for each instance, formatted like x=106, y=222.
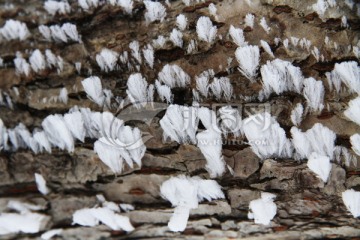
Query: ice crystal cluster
x=93, y=112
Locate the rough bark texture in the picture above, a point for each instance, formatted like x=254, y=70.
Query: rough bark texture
x=307, y=208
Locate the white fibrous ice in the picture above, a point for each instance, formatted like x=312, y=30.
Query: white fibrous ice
x=202, y=82
x=180, y=124
x=135, y=51
x=263, y=210
x=148, y=53
x=54, y=7
x=91, y=217
x=42, y=141
x=164, y=92
x=318, y=139
x=320, y=165
x=21, y=65
x=173, y=76
x=37, y=61
x=87, y=4
x=237, y=36
x=119, y=144
x=355, y=143
x=181, y=22
x=297, y=114
x=176, y=38
x=41, y=184
x=51, y=233
x=138, y=90
x=264, y=25
x=14, y=30
x=265, y=136
x=185, y=193
x=155, y=11
x=231, y=121
x=75, y=123
x=351, y=199
x=267, y=48
x=353, y=111
x=159, y=42
x=127, y=5
x=93, y=88
x=205, y=29
x=57, y=132
x=349, y=73
x=248, y=58
x=279, y=76
x=63, y=96
x=107, y=59
x=249, y=20
x=314, y=94
x=210, y=144
x=25, y=222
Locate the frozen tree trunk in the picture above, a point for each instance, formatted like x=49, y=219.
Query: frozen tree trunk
x=306, y=207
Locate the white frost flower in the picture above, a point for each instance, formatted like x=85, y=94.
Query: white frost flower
x=248, y=58
x=210, y=145
x=349, y=72
x=297, y=114
x=353, y=111
x=320, y=7
x=318, y=139
x=53, y=7
x=159, y=42
x=127, y=5
x=263, y=210
x=75, y=123
x=87, y=4
x=45, y=32
x=176, y=38
x=264, y=25
x=279, y=76
x=180, y=124
x=107, y=59
x=355, y=143
x=173, y=76
x=124, y=143
x=205, y=29
x=93, y=88
x=63, y=96
x=314, y=94
x=26, y=222
x=351, y=199
x=135, y=50
x=267, y=48
x=137, y=89
x=212, y=9
x=21, y=65
x=237, y=36
x=71, y=31
x=57, y=132
x=41, y=184
x=91, y=217
x=249, y=20
x=14, y=30
x=37, y=61
x=266, y=137
x=148, y=53
x=155, y=11
x=185, y=193
x=164, y=92
x=181, y=22
x=58, y=34
x=320, y=165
